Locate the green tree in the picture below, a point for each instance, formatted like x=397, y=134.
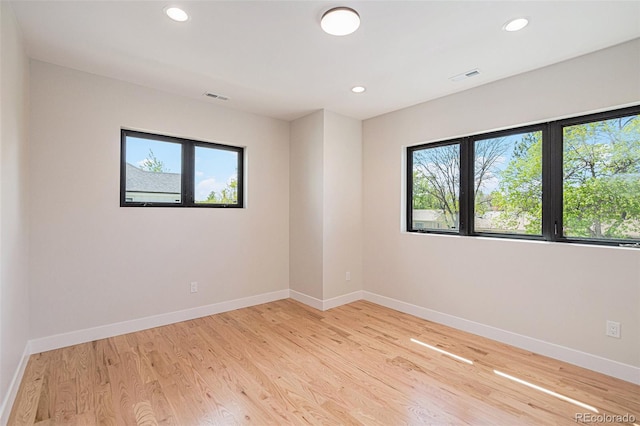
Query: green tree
x=487, y=153
x=601, y=180
x=436, y=176
x=423, y=199
x=519, y=193
x=228, y=195
x=153, y=164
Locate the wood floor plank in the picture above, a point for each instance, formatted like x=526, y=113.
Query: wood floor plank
x=125, y=390
x=30, y=391
x=286, y=363
x=43, y=412
x=104, y=412
x=64, y=398
x=160, y=405
x=85, y=368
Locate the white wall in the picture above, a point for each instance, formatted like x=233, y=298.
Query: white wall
x=306, y=201
x=342, y=232
x=559, y=293
x=94, y=263
x=326, y=205
x=14, y=230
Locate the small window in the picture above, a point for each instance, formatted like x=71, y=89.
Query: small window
x=173, y=172
x=435, y=187
x=508, y=184
x=601, y=179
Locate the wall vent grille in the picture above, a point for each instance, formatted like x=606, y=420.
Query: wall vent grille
x=216, y=96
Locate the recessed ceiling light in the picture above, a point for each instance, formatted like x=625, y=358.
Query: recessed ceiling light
x=358, y=89
x=340, y=21
x=176, y=14
x=516, y=24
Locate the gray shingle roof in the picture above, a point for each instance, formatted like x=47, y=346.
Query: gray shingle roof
x=142, y=181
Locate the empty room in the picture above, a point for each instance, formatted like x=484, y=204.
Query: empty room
x=319, y=212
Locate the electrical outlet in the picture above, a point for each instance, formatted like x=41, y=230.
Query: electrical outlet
x=613, y=329
x=348, y=276
x=194, y=287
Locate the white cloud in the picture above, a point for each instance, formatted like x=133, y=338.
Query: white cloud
x=204, y=188
x=490, y=184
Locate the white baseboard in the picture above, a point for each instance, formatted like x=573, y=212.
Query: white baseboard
x=323, y=305
x=341, y=300
x=609, y=367
x=307, y=300
x=102, y=332
x=12, y=392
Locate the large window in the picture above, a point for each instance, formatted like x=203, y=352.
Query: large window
x=575, y=180
x=173, y=172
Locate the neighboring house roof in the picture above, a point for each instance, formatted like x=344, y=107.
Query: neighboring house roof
x=427, y=215
x=139, y=180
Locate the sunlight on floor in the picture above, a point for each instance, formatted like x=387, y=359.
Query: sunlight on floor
x=547, y=391
x=512, y=378
x=449, y=354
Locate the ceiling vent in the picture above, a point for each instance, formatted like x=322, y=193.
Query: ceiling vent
x=216, y=96
x=465, y=75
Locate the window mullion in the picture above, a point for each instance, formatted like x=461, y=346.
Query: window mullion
x=466, y=187
x=188, y=167
x=552, y=182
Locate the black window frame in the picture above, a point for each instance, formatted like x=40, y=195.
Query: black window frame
x=552, y=180
x=543, y=128
x=439, y=144
x=187, y=198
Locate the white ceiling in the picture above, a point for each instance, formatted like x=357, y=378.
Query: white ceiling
x=272, y=58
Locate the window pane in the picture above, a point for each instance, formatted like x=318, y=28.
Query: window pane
x=153, y=171
x=601, y=187
x=216, y=176
x=436, y=187
x=508, y=184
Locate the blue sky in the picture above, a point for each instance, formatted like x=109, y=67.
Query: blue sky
x=214, y=167
x=490, y=184
x=214, y=170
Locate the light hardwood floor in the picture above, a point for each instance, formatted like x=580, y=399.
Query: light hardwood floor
x=285, y=363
